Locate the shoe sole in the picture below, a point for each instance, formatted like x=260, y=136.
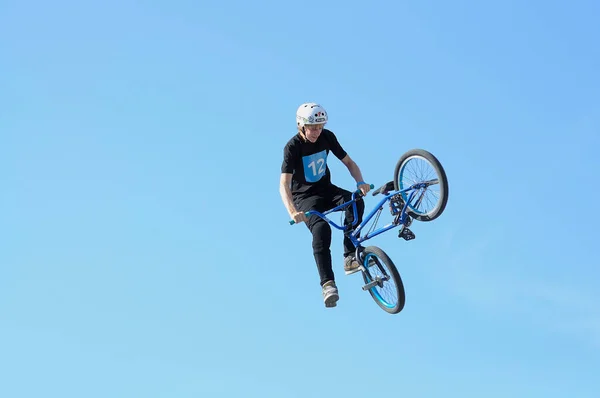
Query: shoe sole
x=371, y=263
x=331, y=301
x=353, y=271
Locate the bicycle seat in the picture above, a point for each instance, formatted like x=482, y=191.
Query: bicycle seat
x=385, y=188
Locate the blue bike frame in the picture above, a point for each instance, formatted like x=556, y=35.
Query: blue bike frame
x=353, y=236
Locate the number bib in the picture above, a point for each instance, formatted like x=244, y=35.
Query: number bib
x=315, y=166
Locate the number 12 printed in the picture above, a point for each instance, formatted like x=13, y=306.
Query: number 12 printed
x=315, y=166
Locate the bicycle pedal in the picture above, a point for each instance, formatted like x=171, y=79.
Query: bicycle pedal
x=406, y=234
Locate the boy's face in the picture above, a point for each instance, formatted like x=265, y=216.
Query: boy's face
x=313, y=131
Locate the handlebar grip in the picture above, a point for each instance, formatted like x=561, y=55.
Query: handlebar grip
x=370, y=185
x=306, y=213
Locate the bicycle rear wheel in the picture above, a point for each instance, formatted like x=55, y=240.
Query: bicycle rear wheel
x=419, y=166
x=382, y=280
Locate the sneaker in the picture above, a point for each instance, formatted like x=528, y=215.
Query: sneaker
x=330, y=294
x=351, y=265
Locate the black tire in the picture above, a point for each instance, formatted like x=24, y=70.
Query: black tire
x=441, y=175
x=387, y=268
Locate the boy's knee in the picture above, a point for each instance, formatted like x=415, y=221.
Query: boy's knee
x=321, y=232
x=321, y=229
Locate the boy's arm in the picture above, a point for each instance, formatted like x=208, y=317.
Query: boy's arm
x=356, y=174
x=286, y=193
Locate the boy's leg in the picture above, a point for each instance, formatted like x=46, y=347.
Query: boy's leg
x=339, y=197
x=321, y=233
x=321, y=244
x=321, y=237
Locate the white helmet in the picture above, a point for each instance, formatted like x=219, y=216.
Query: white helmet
x=310, y=113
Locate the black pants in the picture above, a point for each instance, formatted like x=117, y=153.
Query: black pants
x=321, y=230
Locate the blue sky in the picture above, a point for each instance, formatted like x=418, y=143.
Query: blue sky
x=145, y=250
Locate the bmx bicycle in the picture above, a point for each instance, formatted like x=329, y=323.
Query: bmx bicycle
x=419, y=181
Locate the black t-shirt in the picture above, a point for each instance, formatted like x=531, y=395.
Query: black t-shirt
x=307, y=162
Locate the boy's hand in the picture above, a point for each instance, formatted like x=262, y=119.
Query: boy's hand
x=364, y=188
x=299, y=217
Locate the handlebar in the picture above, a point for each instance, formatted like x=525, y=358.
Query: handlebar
x=357, y=192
